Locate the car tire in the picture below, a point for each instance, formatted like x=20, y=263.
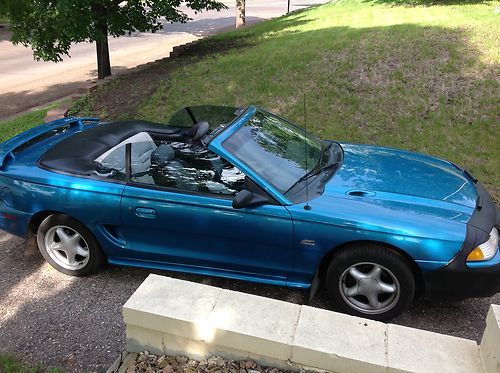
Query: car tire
x=371, y=281
x=68, y=246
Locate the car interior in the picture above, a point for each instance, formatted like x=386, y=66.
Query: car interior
x=179, y=162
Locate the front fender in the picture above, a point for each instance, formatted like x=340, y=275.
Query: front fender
x=430, y=241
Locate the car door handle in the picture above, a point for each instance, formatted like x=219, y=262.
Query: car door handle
x=146, y=213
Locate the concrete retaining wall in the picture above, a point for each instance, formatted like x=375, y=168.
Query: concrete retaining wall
x=170, y=316
x=490, y=344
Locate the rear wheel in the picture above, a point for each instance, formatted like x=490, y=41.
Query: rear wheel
x=68, y=246
x=370, y=280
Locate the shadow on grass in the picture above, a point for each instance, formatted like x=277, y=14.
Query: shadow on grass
x=109, y=101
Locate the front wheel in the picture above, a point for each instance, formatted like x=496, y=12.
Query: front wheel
x=370, y=281
x=68, y=246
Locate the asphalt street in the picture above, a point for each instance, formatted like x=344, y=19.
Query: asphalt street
x=76, y=323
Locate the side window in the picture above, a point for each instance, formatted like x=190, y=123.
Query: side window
x=111, y=165
x=183, y=166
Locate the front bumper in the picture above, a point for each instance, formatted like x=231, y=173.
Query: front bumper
x=457, y=280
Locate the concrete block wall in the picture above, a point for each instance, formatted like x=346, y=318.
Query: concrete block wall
x=170, y=316
x=490, y=344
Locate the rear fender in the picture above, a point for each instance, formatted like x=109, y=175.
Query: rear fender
x=9, y=147
x=12, y=219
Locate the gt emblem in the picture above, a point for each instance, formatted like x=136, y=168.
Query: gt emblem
x=308, y=242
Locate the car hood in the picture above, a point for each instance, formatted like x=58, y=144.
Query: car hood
x=401, y=177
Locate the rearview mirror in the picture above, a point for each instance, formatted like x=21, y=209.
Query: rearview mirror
x=246, y=198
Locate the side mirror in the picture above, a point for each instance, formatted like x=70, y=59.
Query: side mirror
x=246, y=198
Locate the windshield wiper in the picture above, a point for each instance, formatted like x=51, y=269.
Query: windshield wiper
x=313, y=172
x=328, y=166
x=317, y=171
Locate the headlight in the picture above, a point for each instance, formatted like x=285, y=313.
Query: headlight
x=487, y=250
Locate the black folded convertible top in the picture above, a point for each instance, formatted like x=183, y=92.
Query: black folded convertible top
x=76, y=153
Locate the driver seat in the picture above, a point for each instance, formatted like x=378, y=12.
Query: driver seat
x=197, y=132
x=166, y=170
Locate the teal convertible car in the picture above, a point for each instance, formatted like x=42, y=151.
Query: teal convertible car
x=248, y=195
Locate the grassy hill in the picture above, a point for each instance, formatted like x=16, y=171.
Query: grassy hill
x=411, y=75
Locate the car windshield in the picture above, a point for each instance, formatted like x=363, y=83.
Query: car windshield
x=276, y=150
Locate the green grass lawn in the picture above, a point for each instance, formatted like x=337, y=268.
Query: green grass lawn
x=411, y=75
x=10, y=364
x=19, y=124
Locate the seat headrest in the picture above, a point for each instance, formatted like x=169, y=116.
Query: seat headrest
x=162, y=155
x=199, y=130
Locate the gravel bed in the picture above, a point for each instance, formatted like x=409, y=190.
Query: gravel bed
x=148, y=363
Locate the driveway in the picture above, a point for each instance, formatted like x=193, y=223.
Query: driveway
x=76, y=323
x=25, y=83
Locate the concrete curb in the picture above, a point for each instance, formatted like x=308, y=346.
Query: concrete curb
x=175, y=317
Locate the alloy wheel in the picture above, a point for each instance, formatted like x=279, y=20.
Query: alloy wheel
x=369, y=288
x=67, y=247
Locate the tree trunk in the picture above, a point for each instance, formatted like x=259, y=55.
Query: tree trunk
x=240, y=13
x=102, y=49
x=103, y=62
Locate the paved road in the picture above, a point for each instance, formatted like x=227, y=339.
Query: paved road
x=25, y=83
x=76, y=323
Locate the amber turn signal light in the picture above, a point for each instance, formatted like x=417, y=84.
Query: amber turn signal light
x=475, y=255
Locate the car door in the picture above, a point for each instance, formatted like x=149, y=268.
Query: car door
x=170, y=220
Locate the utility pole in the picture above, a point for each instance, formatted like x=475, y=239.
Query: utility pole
x=288, y=9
